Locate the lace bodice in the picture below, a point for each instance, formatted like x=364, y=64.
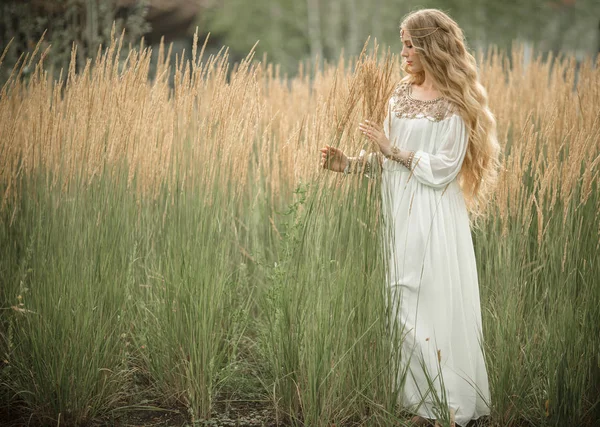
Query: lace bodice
x=406, y=107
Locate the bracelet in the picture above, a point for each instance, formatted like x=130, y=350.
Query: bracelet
x=411, y=156
x=395, y=156
x=360, y=164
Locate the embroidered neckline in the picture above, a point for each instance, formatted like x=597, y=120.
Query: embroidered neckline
x=428, y=101
x=407, y=107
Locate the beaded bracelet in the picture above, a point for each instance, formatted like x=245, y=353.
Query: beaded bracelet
x=411, y=156
x=395, y=156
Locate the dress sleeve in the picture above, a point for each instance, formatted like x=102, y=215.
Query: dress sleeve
x=439, y=169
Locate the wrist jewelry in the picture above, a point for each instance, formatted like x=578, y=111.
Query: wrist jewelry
x=411, y=156
x=395, y=156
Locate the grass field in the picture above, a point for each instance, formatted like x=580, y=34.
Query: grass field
x=180, y=247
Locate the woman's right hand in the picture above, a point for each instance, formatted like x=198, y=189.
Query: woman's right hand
x=333, y=159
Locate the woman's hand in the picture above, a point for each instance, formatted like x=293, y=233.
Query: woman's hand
x=333, y=159
x=375, y=133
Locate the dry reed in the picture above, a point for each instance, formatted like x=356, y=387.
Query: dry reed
x=110, y=113
x=254, y=134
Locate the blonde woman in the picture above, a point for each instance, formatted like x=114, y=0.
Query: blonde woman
x=438, y=160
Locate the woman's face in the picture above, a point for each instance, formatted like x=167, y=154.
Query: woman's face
x=410, y=54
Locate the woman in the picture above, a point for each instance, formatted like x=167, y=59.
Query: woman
x=438, y=156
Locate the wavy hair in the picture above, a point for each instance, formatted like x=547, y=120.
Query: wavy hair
x=441, y=47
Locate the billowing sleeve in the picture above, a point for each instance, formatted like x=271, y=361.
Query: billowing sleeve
x=439, y=169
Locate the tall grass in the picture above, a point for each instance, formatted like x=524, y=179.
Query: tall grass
x=181, y=246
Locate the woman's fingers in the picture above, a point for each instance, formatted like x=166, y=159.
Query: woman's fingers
x=371, y=125
x=327, y=152
x=365, y=130
x=331, y=151
x=376, y=126
x=372, y=134
x=369, y=129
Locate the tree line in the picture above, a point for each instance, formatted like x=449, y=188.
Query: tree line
x=289, y=31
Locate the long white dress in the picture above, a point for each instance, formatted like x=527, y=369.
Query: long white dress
x=432, y=270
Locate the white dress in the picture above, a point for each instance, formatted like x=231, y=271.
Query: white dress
x=432, y=272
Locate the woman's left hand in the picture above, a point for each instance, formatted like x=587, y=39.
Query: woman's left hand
x=375, y=133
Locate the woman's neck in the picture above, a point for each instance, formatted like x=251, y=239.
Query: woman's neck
x=427, y=84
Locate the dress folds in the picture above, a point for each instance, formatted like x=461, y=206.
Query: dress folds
x=432, y=274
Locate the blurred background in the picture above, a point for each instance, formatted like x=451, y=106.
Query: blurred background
x=288, y=31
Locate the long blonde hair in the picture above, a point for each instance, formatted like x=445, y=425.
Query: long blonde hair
x=441, y=47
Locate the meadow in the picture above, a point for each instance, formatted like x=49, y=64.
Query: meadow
x=181, y=248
